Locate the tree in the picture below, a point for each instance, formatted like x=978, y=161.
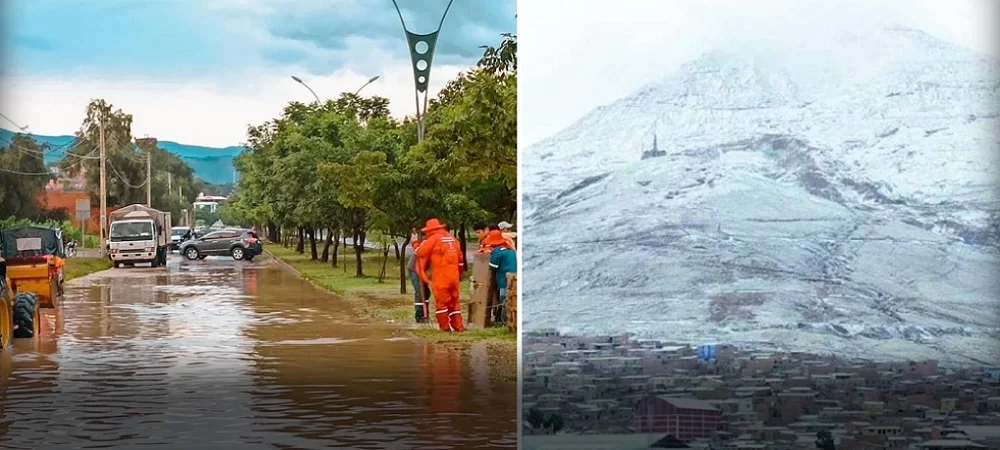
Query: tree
x=357, y=181
x=23, y=176
x=345, y=168
x=126, y=163
x=536, y=417
x=824, y=440
x=555, y=422
x=208, y=217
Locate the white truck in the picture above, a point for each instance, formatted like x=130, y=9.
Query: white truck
x=139, y=234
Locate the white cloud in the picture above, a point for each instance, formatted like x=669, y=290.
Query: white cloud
x=210, y=111
x=576, y=55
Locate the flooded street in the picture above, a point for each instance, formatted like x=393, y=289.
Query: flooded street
x=213, y=353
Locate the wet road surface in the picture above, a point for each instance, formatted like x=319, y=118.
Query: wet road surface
x=216, y=353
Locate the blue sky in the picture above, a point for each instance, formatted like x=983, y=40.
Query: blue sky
x=211, y=53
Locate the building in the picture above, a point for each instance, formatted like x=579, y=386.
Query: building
x=949, y=444
x=56, y=199
x=209, y=202
x=654, y=152
x=600, y=442
x=686, y=419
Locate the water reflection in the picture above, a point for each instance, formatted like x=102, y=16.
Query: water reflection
x=214, y=353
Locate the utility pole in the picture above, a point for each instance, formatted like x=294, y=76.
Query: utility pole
x=104, y=191
x=149, y=178
x=170, y=181
x=148, y=144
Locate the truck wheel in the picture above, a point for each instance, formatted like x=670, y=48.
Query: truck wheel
x=238, y=253
x=118, y=265
x=6, y=321
x=191, y=253
x=24, y=315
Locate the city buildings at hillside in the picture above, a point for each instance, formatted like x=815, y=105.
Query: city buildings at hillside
x=644, y=391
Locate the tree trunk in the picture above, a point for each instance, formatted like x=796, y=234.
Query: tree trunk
x=272, y=233
x=359, y=248
x=345, y=251
x=336, y=245
x=300, y=247
x=403, y=279
x=312, y=244
x=461, y=245
x=326, y=248
x=385, y=259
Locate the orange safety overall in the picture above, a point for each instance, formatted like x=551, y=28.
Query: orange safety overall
x=444, y=253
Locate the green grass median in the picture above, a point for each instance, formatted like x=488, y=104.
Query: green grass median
x=79, y=267
x=380, y=301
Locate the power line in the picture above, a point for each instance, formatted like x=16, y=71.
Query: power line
x=15, y=123
x=123, y=179
x=54, y=172
x=122, y=151
x=43, y=153
x=17, y=172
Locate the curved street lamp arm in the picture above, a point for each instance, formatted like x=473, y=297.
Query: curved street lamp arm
x=444, y=15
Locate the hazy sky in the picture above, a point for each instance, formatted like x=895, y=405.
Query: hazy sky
x=199, y=71
x=576, y=55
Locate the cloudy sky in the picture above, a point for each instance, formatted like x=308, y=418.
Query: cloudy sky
x=575, y=55
x=199, y=71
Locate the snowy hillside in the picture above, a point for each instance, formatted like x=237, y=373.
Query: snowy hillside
x=843, y=201
x=874, y=100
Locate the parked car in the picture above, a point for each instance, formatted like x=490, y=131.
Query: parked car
x=178, y=236
x=236, y=242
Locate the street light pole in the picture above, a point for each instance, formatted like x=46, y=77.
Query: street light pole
x=299, y=80
x=303, y=83
x=370, y=81
x=421, y=55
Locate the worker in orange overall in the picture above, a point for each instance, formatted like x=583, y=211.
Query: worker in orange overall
x=444, y=254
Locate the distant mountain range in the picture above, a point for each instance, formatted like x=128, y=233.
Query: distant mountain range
x=212, y=164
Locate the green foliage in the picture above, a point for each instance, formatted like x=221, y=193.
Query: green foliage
x=536, y=418
x=126, y=163
x=824, y=440
x=555, y=422
x=345, y=165
x=206, y=216
x=70, y=231
x=23, y=176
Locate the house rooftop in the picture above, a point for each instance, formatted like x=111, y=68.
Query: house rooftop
x=949, y=443
x=688, y=403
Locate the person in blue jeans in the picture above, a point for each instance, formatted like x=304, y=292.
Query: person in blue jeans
x=421, y=293
x=503, y=261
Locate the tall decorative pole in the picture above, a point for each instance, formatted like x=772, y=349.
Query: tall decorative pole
x=421, y=54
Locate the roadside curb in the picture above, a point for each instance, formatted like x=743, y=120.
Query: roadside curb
x=289, y=267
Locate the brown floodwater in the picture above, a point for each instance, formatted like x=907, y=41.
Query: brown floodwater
x=227, y=354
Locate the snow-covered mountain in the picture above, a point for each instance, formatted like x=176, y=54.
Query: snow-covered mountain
x=837, y=197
